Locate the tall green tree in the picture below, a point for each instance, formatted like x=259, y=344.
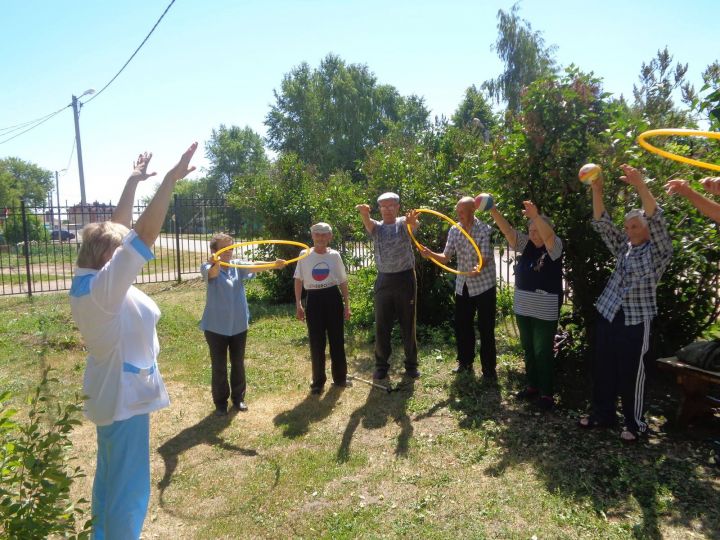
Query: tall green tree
x=331, y=115
x=21, y=179
x=658, y=81
x=525, y=56
x=233, y=152
x=475, y=113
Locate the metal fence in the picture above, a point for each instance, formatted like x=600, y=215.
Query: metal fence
x=39, y=245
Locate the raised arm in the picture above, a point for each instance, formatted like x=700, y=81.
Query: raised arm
x=597, y=198
x=123, y=211
x=150, y=221
x=634, y=177
x=543, y=227
x=707, y=207
x=364, y=210
x=508, y=231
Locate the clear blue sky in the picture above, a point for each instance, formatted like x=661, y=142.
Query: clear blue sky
x=218, y=61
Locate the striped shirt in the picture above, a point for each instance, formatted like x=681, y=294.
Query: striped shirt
x=467, y=259
x=637, y=272
x=539, y=304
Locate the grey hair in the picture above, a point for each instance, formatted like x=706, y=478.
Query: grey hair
x=99, y=240
x=220, y=237
x=637, y=213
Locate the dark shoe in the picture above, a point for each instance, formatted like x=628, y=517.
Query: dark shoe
x=380, y=374
x=348, y=383
x=527, y=393
x=316, y=391
x=460, y=369
x=221, y=411
x=546, y=403
x=240, y=406
x=490, y=376
x=413, y=373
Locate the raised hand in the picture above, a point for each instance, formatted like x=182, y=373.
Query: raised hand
x=364, y=209
x=678, y=186
x=530, y=211
x=632, y=176
x=711, y=185
x=182, y=169
x=140, y=168
x=412, y=218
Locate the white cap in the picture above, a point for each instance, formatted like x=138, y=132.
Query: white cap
x=389, y=196
x=322, y=228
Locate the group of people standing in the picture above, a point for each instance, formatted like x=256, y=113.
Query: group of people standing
x=122, y=382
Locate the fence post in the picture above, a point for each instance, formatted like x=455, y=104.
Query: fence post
x=178, y=259
x=26, y=245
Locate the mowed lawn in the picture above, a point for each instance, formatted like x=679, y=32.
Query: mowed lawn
x=443, y=457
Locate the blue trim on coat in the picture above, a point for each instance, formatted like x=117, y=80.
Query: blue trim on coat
x=81, y=285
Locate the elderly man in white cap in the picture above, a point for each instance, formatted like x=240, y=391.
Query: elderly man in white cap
x=322, y=274
x=396, y=285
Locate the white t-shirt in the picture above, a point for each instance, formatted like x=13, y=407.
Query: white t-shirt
x=117, y=322
x=321, y=271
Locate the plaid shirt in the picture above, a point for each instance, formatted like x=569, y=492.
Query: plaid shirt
x=637, y=272
x=467, y=257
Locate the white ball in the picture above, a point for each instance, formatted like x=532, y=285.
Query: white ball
x=589, y=172
x=484, y=202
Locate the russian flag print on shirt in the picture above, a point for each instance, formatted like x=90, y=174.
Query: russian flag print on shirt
x=320, y=271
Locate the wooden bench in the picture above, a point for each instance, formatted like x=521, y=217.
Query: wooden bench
x=696, y=388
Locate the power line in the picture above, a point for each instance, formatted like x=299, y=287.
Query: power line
x=133, y=54
x=72, y=152
x=16, y=127
x=34, y=125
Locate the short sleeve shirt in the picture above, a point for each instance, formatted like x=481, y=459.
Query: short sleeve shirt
x=393, y=247
x=321, y=270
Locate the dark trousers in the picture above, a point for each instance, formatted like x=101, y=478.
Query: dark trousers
x=219, y=347
x=395, y=296
x=466, y=307
x=326, y=323
x=537, y=338
x=619, y=369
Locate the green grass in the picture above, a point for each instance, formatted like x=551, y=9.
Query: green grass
x=441, y=458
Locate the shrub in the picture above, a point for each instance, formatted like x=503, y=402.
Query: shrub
x=35, y=474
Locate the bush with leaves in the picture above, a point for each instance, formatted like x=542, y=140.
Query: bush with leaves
x=35, y=473
x=14, y=228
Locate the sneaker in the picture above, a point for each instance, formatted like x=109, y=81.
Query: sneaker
x=240, y=406
x=221, y=411
x=527, y=393
x=348, y=383
x=413, y=373
x=379, y=374
x=462, y=369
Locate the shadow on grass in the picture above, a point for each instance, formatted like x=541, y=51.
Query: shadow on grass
x=666, y=476
x=207, y=431
x=296, y=422
x=476, y=399
x=379, y=407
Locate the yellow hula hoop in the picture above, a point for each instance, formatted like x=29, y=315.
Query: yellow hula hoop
x=457, y=224
x=257, y=243
x=680, y=133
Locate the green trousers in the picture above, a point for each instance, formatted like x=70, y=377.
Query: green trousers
x=536, y=338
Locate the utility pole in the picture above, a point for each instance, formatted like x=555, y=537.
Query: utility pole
x=57, y=194
x=76, y=116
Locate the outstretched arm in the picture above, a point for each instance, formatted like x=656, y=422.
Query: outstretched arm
x=707, y=207
x=123, y=211
x=503, y=224
x=150, y=222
